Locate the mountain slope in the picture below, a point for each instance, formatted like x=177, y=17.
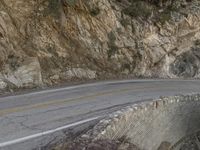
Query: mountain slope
x=45, y=42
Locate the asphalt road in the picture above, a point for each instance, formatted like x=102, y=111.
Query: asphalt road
x=26, y=120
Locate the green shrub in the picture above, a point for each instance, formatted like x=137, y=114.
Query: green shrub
x=164, y=17
x=197, y=42
x=112, y=46
x=53, y=5
x=71, y=2
x=94, y=11
x=139, y=9
x=111, y=37
x=112, y=50
x=53, y=8
x=145, y=8
x=125, y=22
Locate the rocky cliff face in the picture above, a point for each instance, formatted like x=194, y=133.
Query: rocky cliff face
x=43, y=42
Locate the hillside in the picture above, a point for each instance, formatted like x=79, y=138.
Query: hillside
x=47, y=42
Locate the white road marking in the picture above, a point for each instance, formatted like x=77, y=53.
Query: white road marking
x=19, y=140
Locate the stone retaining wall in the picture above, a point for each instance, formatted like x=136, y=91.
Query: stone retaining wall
x=147, y=125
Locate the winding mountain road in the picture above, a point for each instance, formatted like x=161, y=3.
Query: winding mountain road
x=28, y=121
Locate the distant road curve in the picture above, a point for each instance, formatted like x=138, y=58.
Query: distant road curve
x=31, y=120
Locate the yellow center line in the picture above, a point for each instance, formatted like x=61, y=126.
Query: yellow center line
x=64, y=101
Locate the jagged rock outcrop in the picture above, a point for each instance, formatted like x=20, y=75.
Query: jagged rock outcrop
x=44, y=42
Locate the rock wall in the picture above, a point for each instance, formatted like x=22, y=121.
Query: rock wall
x=45, y=42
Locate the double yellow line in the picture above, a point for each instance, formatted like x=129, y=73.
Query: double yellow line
x=72, y=100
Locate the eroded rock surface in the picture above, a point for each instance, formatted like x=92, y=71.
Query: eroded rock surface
x=43, y=42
